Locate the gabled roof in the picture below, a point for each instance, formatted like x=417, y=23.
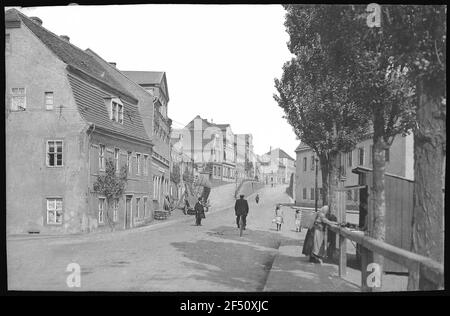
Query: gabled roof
x=91, y=84
x=281, y=154
x=145, y=77
x=67, y=52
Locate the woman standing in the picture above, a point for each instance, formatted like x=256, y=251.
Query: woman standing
x=278, y=217
x=314, y=240
x=298, y=227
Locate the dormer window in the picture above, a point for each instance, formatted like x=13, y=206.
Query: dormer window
x=116, y=110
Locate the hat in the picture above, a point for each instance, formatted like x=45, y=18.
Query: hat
x=242, y=195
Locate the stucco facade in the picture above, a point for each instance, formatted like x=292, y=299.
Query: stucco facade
x=400, y=163
x=50, y=140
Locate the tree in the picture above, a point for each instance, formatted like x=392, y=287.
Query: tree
x=417, y=40
x=316, y=101
x=175, y=176
x=112, y=186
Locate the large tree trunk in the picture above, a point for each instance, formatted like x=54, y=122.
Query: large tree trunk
x=334, y=163
x=325, y=174
x=429, y=169
x=377, y=225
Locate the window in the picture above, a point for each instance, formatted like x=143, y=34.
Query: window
x=129, y=162
x=115, y=210
x=371, y=154
x=54, y=211
x=101, y=210
x=145, y=207
x=349, y=195
x=101, y=157
x=312, y=194
x=146, y=165
x=305, y=163
x=312, y=162
x=7, y=43
x=355, y=196
x=54, y=153
x=361, y=156
x=386, y=155
x=138, y=163
x=137, y=207
x=116, y=111
x=350, y=158
x=116, y=159
x=18, y=99
x=48, y=97
x=304, y=194
x=321, y=193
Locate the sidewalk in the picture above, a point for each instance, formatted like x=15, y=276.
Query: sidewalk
x=221, y=197
x=292, y=272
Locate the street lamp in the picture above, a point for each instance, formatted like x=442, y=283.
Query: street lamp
x=316, y=188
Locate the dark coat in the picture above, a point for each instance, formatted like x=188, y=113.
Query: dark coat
x=199, y=210
x=241, y=207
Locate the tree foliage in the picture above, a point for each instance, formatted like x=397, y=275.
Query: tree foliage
x=111, y=185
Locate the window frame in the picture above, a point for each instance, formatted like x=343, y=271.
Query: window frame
x=47, y=108
x=138, y=164
x=138, y=215
x=361, y=150
x=20, y=95
x=117, y=159
x=101, y=157
x=55, y=210
x=101, y=210
x=312, y=163
x=145, y=201
x=305, y=164
x=47, y=153
x=350, y=159
x=387, y=155
x=305, y=194
x=146, y=164
x=115, y=210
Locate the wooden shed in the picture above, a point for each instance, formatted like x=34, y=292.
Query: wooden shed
x=399, y=208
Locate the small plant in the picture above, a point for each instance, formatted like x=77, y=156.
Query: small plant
x=112, y=186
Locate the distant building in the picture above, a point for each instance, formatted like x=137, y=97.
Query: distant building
x=276, y=167
x=65, y=116
x=399, y=162
x=155, y=82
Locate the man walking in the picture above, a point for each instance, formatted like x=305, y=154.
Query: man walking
x=241, y=209
x=199, y=212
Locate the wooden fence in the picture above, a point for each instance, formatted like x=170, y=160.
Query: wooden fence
x=420, y=268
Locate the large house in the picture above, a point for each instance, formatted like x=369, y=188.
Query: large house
x=155, y=83
x=277, y=167
x=65, y=116
x=399, y=162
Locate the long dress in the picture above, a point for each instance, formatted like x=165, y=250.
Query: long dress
x=313, y=244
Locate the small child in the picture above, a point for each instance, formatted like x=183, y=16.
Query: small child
x=297, y=221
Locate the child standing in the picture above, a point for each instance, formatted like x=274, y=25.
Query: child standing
x=278, y=217
x=297, y=221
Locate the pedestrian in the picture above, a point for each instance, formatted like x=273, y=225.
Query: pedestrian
x=241, y=210
x=199, y=212
x=298, y=228
x=257, y=198
x=278, y=219
x=313, y=245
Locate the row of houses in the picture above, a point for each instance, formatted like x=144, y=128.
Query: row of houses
x=67, y=112
x=216, y=151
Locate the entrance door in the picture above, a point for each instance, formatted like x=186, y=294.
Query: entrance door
x=128, y=211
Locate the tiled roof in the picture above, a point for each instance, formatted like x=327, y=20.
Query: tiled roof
x=281, y=154
x=91, y=104
x=68, y=53
x=145, y=77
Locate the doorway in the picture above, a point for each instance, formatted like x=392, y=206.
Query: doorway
x=128, y=201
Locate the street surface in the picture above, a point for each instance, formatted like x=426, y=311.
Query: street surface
x=174, y=257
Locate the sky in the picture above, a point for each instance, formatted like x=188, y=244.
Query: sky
x=220, y=60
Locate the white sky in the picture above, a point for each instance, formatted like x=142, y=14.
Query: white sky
x=220, y=60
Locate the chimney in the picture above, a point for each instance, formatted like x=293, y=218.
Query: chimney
x=36, y=20
x=113, y=64
x=65, y=37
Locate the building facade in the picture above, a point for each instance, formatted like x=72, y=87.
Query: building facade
x=65, y=116
x=276, y=167
x=399, y=162
x=155, y=83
